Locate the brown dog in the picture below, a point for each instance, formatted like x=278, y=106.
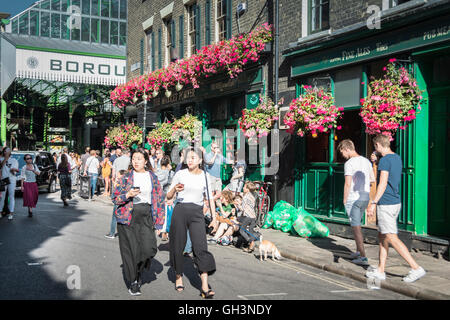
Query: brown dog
x=266, y=246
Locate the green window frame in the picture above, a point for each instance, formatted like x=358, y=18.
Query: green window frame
x=85, y=7
x=115, y=9
x=318, y=15
x=105, y=10
x=85, y=29
x=56, y=5
x=181, y=36
x=104, y=38
x=95, y=10
x=114, y=32
x=24, y=26
x=34, y=23
x=208, y=22
x=45, y=24
x=159, y=49
x=56, y=25
x=122, y=33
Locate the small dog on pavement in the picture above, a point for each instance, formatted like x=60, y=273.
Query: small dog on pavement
x=265, y=246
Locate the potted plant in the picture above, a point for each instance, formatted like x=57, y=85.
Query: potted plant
x=260, y=120
x=188, y=127
x=312, y=112
x=161, y=135
x=391, y=101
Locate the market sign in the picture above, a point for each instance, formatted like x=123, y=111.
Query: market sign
x=386, y=44
x=69, y=67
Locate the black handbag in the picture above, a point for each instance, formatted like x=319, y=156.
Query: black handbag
x=4, y=182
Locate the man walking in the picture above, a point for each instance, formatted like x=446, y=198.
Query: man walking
x=388, y=203
x=84, y=158
x=358, y=177
x=122, y=162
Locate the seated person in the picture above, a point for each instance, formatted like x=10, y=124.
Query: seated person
x=238, y=205
x=248, y=218
x=226, y=211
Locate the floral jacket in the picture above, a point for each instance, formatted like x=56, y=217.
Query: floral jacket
x=124, y=206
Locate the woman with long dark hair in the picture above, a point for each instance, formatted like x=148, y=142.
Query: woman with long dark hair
x=190, y=185
x=28, y=184
x=65, y=181
x=140, y=210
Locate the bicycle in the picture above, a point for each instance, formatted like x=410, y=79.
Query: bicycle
x=263, y=202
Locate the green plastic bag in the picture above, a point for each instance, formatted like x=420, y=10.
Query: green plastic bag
x=268, y=222
x=282, y=216
x=308, y=226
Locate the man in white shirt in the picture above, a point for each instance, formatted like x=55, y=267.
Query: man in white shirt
x=91, y=169
x=9, y=169
x=121, y=163
x=69, y=158
x=358, y=178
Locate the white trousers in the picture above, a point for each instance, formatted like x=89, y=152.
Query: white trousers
x=11, y=188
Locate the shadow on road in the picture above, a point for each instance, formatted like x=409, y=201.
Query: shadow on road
x=22, y=274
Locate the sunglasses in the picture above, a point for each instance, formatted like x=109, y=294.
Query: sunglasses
x=28, y=158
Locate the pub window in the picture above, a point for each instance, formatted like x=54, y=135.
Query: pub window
x=319, y=15
x=181, y=37
x=221, y=20
x=347, y=87
x=352, y=128
x=317, y=148
x=169, y=40
x=375, y=69
x=192, y=17
x=150, y=49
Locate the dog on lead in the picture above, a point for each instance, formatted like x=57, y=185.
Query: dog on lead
x=265, y=247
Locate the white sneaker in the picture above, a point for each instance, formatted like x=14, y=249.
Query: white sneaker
x=362, y=261
x=375, y=274
x=355, y=255
x=414, y=275
x=10, y=217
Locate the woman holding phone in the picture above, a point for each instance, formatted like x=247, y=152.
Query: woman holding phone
x=191, y=185
x=140, y=210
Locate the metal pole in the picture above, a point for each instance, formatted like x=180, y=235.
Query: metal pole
x=145, y=120
x=277, y=64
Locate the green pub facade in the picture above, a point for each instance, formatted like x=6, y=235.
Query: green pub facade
x=343, y=61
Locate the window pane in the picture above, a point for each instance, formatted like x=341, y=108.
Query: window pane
x=15, y=26
x=64, y=5
x=123, y=9
x=85, y=29
x=94, y=8
x=56, y=25
x=114, y=34
x=76, y=3
x=86, y=7
x=76, y=34
x=347, y=87
x=326, y=16
x=317, y=149
x=94, y=30
x=23, y=24
x=115, y=9
x=65, y=31
x=56, y=5
x=105, y=8
x=45, y=4
x=352, y=128
x=45, y=24
x=105, y=31
x=123, y=34
x=34, y=26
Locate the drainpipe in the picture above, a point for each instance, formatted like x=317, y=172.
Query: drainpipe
x=277, y=64
x=3, y=123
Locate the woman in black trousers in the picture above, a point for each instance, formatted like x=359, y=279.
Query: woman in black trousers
x=190, y=185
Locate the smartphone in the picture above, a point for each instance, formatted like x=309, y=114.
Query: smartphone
x=136, y=188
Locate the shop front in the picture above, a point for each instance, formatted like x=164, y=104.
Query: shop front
x=344, y=65
x=218, y=103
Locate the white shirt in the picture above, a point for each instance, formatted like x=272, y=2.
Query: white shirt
x=28, y=175
x=144, y=182
x=6, y=170
x=194, y=187
x=362, y=174
x=92, y=165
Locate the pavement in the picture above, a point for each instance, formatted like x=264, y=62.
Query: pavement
x=332, y=254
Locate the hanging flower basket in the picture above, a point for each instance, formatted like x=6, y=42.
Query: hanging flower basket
x=188, y=127
x=161, y=135
x=123, y=136
x=313, y=112
x=391, y=101
x=259, y=121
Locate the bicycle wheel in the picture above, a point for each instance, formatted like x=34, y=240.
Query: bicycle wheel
x=263, y=212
